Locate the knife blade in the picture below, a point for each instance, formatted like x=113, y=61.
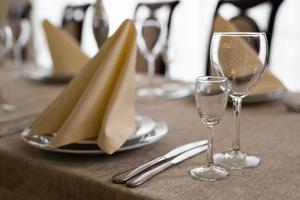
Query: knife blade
x=139, y=180
x=125, y=176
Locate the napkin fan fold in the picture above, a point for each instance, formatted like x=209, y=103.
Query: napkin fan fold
x=99, y=101
x=65, y=51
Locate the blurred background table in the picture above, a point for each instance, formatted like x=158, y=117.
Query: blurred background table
x=268, y=130
x=29, y=97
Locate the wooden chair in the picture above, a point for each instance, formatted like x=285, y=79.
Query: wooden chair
x=73, y=19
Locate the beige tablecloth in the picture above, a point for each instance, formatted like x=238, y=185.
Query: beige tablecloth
x=268, y=130
x=29, y=97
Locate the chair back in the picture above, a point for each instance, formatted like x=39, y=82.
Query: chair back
x=73, y=19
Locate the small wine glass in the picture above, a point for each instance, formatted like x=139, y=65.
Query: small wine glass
x=211, y=100
x=148, y=24
x=6, y=43
x=242, y=58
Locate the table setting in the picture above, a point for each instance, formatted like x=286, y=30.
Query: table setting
x=93, y=127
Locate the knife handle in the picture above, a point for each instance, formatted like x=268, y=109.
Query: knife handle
x=125, y=176
x=135, y=182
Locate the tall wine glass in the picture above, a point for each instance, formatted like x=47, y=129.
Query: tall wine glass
x=211, y=100
x=241, y=57
x=6, y=43
x=148, y=24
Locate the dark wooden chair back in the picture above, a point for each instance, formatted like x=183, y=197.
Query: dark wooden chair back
x=73, y=19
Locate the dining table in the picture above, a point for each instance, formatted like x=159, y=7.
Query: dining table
x=268, y=130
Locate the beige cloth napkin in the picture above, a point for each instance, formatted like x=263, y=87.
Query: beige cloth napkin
x=65, y=51
x=268, y=82
x=99, y=101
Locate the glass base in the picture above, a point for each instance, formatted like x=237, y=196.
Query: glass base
x=209, y=173
x=4, y=107
x=236, y=160
x=149, y=92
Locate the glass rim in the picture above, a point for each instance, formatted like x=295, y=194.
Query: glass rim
x=239, y=33
x=214, y=79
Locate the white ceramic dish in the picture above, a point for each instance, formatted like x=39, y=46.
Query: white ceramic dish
x=145, y=135
x=45, y=75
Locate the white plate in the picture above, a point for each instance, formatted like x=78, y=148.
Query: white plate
x=139, y=140
x=144, y=125
x=177, y=90
x=45, y=75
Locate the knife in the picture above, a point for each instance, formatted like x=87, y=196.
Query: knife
x=137, y=181
x=125, y=176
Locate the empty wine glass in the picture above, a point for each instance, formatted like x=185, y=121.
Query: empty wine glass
x=211, y=100
x=21, y=34
x=148, y=24
x=241, y=57
x=6, y=43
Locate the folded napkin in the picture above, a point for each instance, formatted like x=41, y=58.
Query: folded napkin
x=268, y=82
x=99, y=101
x=65, y=51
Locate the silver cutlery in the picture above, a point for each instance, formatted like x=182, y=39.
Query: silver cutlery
x=139, y=180
x=125, y=176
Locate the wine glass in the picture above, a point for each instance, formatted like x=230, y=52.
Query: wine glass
x=6, y=43
x=211, y=100
x=21, y=29
x=148, y=24
x=100, y=23
x=242, y=58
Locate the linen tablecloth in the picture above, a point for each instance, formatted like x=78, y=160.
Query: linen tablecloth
x=29, y=97
x=268, y=130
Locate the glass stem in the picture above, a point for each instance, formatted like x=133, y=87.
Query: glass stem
x=17, y=51
x=167, y=68
x=210, y=155
x=237, y=103
x=151, y=70
x=167, y=71
x=2, y=101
